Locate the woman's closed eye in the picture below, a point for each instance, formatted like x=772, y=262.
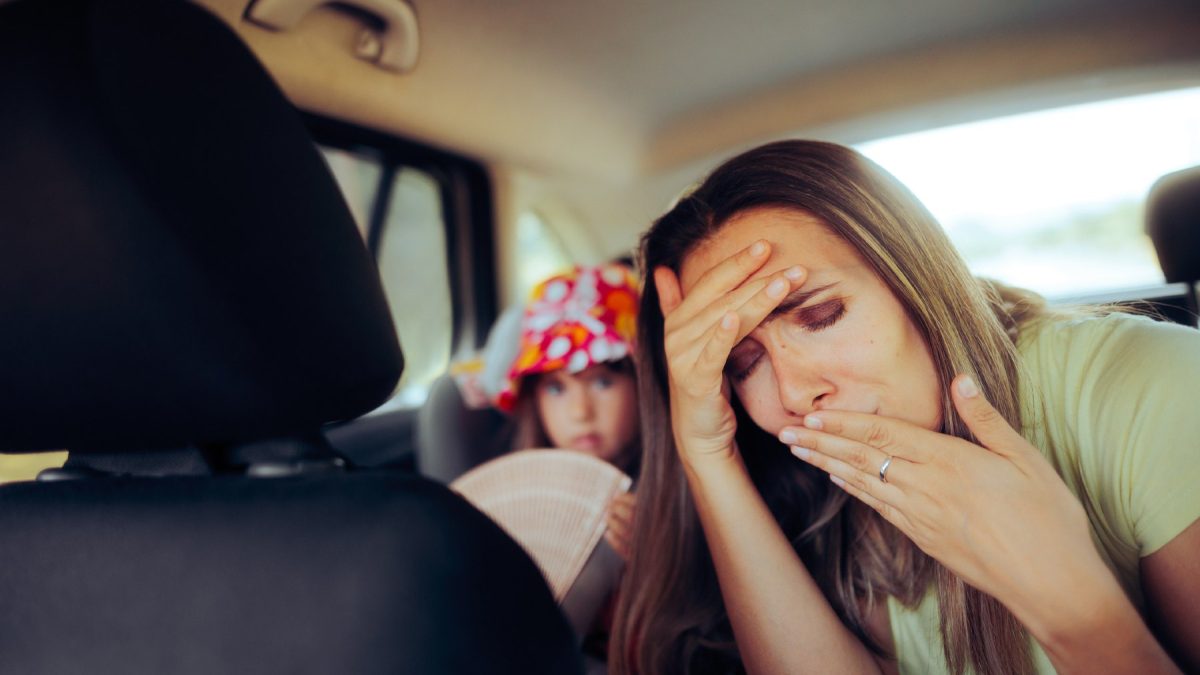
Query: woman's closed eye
x=820, y=316
x=743, y=360
x=746, y=356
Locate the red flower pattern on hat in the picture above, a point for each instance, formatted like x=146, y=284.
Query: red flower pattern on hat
x=574, y=321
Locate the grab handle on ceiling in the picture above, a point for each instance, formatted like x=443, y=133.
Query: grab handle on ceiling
x=394, y=48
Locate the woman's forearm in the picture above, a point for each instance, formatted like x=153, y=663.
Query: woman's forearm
x=781, y=620
x=1099, y=631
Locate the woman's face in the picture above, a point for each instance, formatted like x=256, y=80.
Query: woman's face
x=841, y=341
x=593, y=411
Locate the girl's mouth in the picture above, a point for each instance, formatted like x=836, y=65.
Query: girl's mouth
x=586, y=442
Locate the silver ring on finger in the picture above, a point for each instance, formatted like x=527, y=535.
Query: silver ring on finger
x=883, y=469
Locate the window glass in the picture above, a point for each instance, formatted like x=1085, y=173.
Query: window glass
x=541, y=252
x=358, y=176
x=412, y=262
x=1052, y=200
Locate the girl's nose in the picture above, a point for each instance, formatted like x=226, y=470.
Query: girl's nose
x=580, y=404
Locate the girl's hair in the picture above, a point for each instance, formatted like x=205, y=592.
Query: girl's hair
x=670, y=617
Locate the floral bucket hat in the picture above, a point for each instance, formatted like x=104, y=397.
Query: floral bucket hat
x=575, y=320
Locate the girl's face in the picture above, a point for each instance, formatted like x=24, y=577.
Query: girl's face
x=841, y=341
x=593, y=411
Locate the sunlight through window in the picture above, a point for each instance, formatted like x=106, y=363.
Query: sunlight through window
x=1052, y=200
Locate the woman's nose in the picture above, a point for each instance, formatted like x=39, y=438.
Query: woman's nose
x=801, y=385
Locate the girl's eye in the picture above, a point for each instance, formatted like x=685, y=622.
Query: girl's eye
x=553, y=388
x=822, y=316
x=602, y=382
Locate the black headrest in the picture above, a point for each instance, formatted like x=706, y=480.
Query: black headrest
x=178, y=266
x=1173, y=223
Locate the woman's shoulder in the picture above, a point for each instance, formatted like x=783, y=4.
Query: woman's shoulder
x=1093, y=325
x=1115, y=339
x=1092, y=365
x=1110, y=401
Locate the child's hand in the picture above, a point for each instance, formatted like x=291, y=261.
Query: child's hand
x=620, y=523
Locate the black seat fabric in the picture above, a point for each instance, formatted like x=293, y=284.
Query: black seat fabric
x=163, y=198
x=1173, y=223
x=183, y=293
x=453, y=438
x=364, y=574
x=381, y=440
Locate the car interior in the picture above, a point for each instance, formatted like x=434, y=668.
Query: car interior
x=248, y=242
x=203, y=326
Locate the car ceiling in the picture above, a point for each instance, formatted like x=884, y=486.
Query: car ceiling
x=624, y=88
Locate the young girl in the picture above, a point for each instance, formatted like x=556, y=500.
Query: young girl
x=572, y=386
x=572, y=383
x=876, y=463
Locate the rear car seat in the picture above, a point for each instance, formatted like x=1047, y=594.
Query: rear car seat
x=453, y=437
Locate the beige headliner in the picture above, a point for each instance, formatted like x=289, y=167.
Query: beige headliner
x=620, y=88
x=596, y=114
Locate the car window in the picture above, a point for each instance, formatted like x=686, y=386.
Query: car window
x=410, y=249
x=358, y=176
x=542, y=252
x=1052, y=200
x=412, y=262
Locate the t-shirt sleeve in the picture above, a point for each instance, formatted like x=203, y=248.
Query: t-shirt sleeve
x=1139, y=424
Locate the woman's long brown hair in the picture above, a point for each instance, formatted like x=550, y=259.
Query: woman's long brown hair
x=670, y=617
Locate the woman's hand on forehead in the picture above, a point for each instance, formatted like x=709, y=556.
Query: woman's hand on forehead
x=746, y=264
x=726, y=302
x=729, y=287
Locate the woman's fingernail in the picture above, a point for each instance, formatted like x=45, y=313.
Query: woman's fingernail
x=788, y=436
x=801, y=452
x=967, y=388
x=794, y=273
x=837, y=481
x=813, y=422
x=759, y=248
x=727, y=321
x=776, y=288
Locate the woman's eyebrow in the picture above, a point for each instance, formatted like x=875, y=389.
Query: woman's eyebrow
x=797, y=298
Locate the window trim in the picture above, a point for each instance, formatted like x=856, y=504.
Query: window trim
x=467, y=206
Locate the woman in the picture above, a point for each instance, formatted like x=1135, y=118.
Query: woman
x=953, y=452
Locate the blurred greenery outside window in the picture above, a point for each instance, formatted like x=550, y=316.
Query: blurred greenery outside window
x=1052, y=200
x=542, y=252
x=412, y=263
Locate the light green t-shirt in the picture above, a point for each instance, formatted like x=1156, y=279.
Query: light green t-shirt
x=1112, y=403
